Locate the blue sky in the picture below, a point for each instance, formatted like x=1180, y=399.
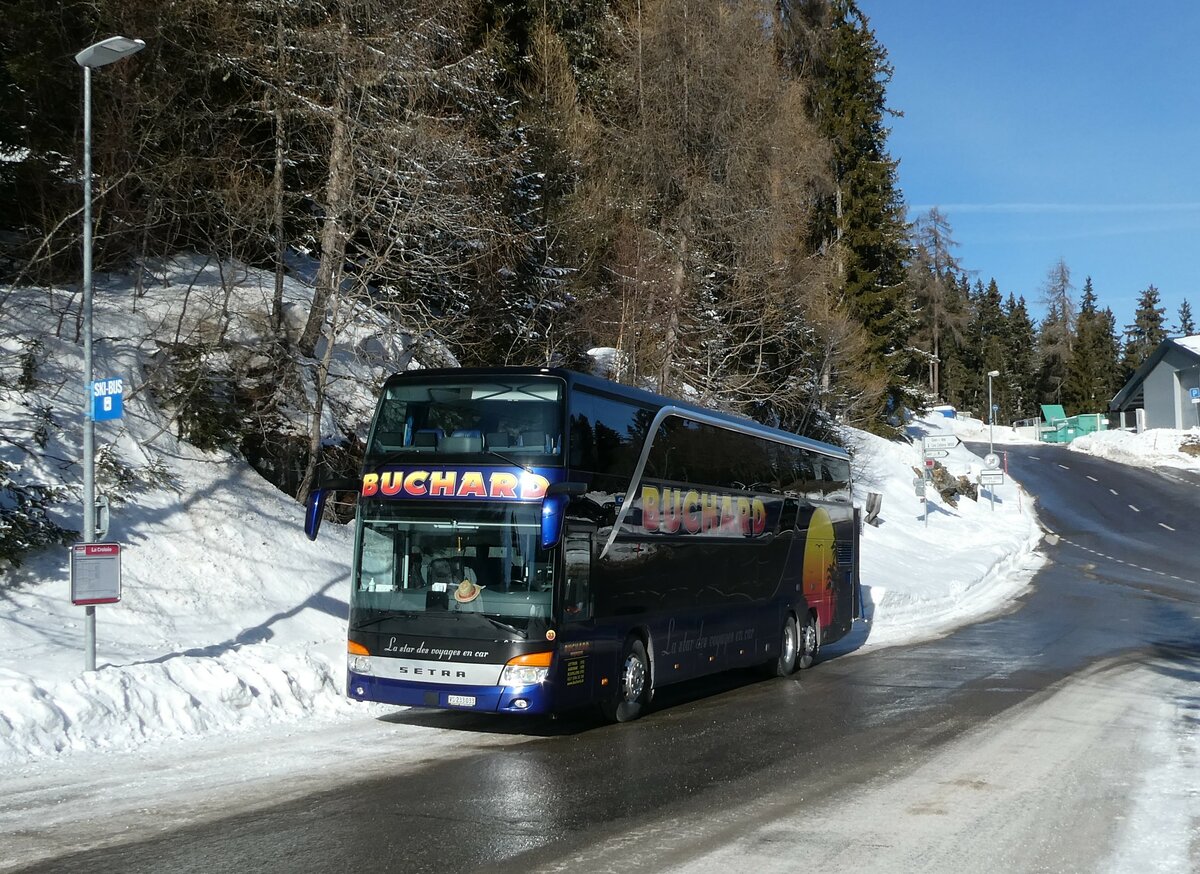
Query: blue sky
x=1054, y=129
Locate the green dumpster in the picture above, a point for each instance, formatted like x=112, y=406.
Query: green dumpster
x=1061, y=428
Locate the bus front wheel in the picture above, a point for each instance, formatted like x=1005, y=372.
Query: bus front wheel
x=633, y=685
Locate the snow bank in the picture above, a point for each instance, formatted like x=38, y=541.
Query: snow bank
x=1158, y=447
x=230, y=618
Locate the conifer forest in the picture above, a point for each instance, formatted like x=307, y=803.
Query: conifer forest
x=704, y=187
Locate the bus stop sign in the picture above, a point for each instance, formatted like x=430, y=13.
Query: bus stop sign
x=107, y=396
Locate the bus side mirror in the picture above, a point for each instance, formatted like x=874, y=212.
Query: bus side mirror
x=314, y=510
x=314, y=504
x=554, y=509
x=874, y=505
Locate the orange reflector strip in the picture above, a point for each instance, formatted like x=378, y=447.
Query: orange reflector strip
x=533, y=660
x=356, y=648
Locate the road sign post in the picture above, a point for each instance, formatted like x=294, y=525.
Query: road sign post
x=107, y=403
x=933, y=446
x=991, y=478
x=939, y=441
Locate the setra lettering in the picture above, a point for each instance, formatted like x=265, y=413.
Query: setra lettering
x=431, y=672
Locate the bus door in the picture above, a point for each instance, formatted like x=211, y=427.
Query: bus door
x=577, y=647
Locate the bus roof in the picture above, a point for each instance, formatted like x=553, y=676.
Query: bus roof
x=583, y=380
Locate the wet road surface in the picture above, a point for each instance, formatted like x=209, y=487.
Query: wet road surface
x=716, y=759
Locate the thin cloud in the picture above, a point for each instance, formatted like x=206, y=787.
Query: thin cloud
x=1046, y=208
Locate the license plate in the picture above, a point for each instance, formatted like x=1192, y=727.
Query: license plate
x=460, y=700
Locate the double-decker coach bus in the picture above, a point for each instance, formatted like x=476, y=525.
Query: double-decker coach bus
x=530, y=540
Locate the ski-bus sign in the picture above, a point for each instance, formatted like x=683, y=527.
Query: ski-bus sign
x=107, y=399
x=95, y=573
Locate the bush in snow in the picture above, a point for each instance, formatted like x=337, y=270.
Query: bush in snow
x=24, y=524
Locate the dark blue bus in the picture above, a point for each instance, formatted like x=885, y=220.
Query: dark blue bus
x=531, y=540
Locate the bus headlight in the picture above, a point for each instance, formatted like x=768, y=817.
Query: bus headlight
x=358, y=659
x=526, y=670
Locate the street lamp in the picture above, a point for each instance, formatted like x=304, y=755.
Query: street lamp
x=100, y=54
x=991, y=409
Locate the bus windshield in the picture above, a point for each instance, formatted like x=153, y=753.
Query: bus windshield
x=519, y=419
x=474, y=571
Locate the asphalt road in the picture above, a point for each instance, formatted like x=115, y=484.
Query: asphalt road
x=1016, y=741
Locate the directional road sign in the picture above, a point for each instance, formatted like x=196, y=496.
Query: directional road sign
x=940, y=441
x=936, y=453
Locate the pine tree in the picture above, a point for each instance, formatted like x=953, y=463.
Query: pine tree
x=1187, y=326
x=1057, y=296
x=1146, y=332
x=941, y=309
x=957, y=362
x=1020, y=357
x=559, y=73
x=985, y=337
x=1093, y=361
x=1056, y=336
x=39, y=133
x=1052, y=342
x=697, y=180
x=1110, y=355
x=860, y=223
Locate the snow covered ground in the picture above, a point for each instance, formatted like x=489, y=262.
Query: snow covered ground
x=232, y=625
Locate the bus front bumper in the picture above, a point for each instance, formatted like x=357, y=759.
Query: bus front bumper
x=490, y=699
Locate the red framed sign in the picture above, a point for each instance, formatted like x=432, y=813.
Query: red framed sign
x=95, y=573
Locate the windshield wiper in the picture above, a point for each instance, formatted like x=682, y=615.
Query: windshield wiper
x=383, y=617
x=524, y=635
x=507, y=460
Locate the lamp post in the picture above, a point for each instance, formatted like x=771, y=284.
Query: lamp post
x=99, y=54
x=991, y=409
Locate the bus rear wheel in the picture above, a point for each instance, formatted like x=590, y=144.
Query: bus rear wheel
x=810, y=642
x=785, y=664
x=633, y=685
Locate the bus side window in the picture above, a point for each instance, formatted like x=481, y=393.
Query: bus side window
x=583, y=445
x=789, y=515
x=577, y=590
